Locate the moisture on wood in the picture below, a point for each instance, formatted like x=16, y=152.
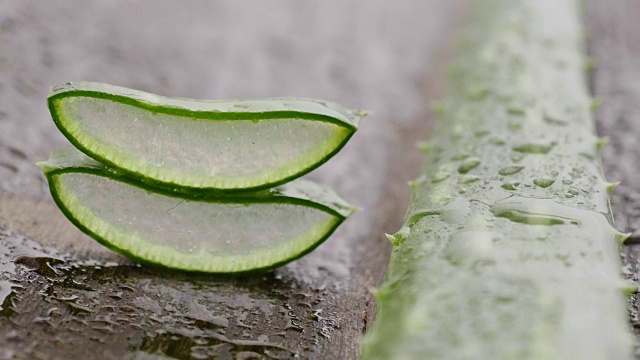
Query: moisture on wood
x=614, y=46
x=65, y=296
x=614, y=39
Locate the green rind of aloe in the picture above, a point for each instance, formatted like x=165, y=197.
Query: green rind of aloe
x=232, y=234
x=508, y=249
x=201, y=145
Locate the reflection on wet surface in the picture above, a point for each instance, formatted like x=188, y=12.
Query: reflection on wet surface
x=150, y=311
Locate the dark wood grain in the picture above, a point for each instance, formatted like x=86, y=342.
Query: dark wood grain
x=614, y=44
x=65, y=297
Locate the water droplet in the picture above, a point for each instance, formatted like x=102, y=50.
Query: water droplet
x=544, y=182
x=554, y=120
x=469, y=179
x=482, y=133
x=514, y=110
x=524, y=217
x=514, y=125
x=511, y=185
x=452, y=212
x=571, y=193
x=127, y=309
x=468, y=165
x=516, y=157
x=532, y=148
x=439, y=176
x=460, y=156
x=457, y=132
x=510, y=170
x=478, y=93
x=496, y=141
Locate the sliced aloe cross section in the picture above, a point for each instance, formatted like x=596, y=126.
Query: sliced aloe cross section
x=223, y=234
x=214, y=145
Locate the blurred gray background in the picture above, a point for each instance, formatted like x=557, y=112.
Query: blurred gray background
x=64, y=296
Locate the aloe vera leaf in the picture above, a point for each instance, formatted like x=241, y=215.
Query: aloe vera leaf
x=212, y=145
x=223, y=234
x=517, y=257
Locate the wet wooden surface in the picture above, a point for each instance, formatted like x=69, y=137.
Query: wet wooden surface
x=62, y=296
x=614, y=44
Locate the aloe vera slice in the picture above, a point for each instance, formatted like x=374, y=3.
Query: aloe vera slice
x=223, y=234
x=508, y=250
x=213, y=145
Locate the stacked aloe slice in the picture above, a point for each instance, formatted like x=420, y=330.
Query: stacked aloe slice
x=197, y=185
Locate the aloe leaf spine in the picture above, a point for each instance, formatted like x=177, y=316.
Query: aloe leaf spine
x=517, y=256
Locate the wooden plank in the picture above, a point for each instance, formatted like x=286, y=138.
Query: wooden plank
x=64, y=296
x=614, y=44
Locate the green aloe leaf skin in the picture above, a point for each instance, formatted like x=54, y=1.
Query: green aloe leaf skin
x=197, y=145
x=232, y=234
x=512, y=255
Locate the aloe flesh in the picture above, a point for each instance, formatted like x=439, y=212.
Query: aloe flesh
x=221, y=146
x=221, y=234
x=515, y=257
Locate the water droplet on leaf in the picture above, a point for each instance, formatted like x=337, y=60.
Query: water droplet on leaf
x=543, y=182
x=510, y=170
